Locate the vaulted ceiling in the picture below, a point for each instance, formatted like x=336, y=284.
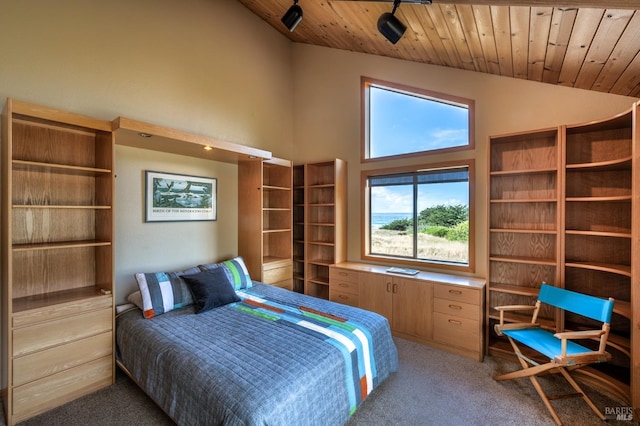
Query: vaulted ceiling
x=578, y=43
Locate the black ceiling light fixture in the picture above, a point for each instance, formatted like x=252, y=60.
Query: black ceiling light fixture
x=292, y=18
x=390, y=26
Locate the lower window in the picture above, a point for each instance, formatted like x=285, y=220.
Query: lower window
x=420, y=217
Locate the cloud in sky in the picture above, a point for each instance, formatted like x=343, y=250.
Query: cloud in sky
x=399, y=199
x=384, y=199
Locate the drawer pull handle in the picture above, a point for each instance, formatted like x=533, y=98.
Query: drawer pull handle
x=342, y=296
x=455, y=307
x=388, y=287
x=456, y=322
x=344, y=274
x=343, y=285
x=395, y=288
x=458, y=292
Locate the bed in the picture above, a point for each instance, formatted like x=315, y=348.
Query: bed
x=272, y=357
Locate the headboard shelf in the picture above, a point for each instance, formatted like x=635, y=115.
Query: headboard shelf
x=140, y=134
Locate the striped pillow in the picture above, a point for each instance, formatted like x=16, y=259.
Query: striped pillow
x=164, y=291
x=235, y=269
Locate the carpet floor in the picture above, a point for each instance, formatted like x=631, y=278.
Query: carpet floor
x=432, y=387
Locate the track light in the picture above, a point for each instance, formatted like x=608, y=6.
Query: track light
x=390, y=26
x=292, y=18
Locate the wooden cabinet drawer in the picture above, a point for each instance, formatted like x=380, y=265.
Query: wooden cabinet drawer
x=344, y=298
x=63, y=330
x=50, y=361
x=40, y=395
x=345, y=286
x=456, y=331
x=60, y=310
x=457, y=293
x=274, y=275
x=455, y=308
x=347, y=275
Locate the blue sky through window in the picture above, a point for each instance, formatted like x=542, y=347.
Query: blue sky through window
x=399, y=199
x=401, y=123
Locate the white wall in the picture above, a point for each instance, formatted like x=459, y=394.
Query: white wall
x=145, y=247
x=327, y=116
x=209, y=67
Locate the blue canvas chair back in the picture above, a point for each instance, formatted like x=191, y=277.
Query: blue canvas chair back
x=578, y=303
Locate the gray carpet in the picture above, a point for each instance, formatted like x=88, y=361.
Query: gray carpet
x=431, y=388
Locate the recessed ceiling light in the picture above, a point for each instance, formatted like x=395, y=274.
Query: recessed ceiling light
x=144, y=135
x=208, y=148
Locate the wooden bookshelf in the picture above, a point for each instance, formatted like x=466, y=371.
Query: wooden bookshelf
x=320, y=221
x=561, y=208
x=57, y=257
x=265, y=233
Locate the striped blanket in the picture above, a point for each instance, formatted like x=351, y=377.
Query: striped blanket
x=352, y=340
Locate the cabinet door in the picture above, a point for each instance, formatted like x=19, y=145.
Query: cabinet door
x=375, y=293
x=412, y=307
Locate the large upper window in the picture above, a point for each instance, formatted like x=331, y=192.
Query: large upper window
x=399, y=120
x=420, y=216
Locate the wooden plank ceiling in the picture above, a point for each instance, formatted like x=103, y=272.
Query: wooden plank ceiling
x=580, y=44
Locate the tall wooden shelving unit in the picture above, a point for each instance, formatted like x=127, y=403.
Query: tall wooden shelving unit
x=524, y=219
x=325, y=222
x=562, y=203
x=57, y=258
x=265, y=220
x=298, y=228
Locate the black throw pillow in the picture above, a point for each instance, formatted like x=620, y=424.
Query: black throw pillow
x=211, y=289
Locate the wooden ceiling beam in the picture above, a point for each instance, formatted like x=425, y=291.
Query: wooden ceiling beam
x=596, y=4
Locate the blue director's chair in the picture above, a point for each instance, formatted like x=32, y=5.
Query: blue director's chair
x=564, y=354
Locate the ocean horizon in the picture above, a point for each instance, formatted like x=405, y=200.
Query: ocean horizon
x=380, y=219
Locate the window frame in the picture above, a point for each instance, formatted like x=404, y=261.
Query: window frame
x=365, y=239
x=367, y=82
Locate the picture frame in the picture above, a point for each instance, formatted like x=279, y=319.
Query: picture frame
x=173, y=197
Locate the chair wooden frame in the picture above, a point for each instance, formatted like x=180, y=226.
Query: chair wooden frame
x=564, y=354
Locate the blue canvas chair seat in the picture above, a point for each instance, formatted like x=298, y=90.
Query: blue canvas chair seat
x=564, y=354
x=544, y=342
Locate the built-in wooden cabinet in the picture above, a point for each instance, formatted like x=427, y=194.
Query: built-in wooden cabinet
x=405, y=302
x=376, y=294
x=457, y=317
x=265, y=220
x=320, y=223
x=57, y=257
x=441, y=310
x=412, y=312
x=561, y=208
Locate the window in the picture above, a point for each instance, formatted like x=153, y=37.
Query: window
x=420, y=217
x=400, y=121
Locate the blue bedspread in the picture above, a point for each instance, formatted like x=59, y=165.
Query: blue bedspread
x=277, y=358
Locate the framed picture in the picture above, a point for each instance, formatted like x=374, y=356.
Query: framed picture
x=172, y=198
